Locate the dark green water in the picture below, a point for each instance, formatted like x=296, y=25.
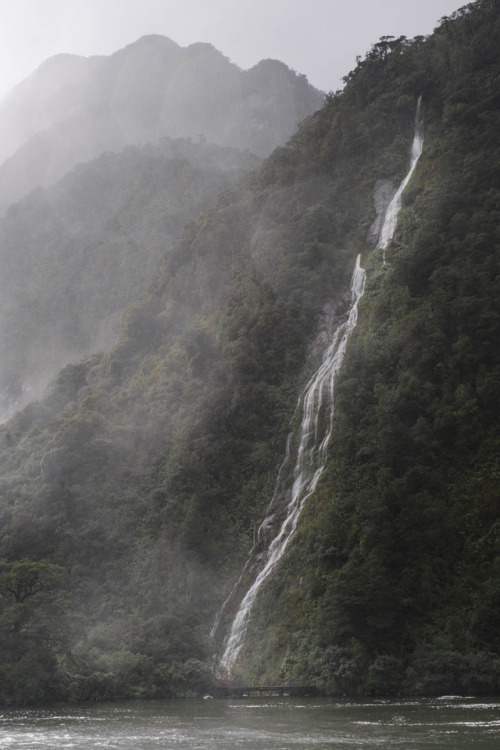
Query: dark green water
x=273, y=724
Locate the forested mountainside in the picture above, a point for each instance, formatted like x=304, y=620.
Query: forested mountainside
x=131, y=491
x=74, y=256
x=72, y=108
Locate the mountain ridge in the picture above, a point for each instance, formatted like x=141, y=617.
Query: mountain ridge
x=73, y=108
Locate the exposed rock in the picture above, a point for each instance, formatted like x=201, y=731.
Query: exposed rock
x=383, y=193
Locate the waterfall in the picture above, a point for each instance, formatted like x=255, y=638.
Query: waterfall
x=391, y=215
x=313, y=438
x=315, y=430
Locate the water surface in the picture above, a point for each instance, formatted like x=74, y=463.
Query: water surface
x=264, y=724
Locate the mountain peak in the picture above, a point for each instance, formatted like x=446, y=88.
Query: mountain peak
x=149, y=41
x=72, y=108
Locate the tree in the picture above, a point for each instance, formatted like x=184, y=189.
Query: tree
x=25, y=578
x=32, y=630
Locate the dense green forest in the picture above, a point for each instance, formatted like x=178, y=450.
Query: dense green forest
x=130, y=492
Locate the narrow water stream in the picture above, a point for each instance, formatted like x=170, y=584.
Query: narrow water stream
x=310, y=459
x=314, y=432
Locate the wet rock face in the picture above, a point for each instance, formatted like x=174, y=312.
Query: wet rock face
x=383, y=193
x=326, y=324
x=331, y=315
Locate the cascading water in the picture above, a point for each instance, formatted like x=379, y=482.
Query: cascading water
x=391, y=214
x=313, y=440
x=315, y=429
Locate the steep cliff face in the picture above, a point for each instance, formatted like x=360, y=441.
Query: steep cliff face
x=144, y=471
x=392, y=583
x=72, y=109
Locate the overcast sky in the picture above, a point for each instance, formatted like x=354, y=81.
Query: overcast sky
x=320, y=38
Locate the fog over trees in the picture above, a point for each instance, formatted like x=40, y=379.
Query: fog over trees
x=74, y=256
x=181, y=288
x=73, y=108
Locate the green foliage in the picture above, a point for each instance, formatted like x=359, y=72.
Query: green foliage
x=145, y=470
x=399, y=551
x=32, y=628
x=78, y=253
x=23, y=579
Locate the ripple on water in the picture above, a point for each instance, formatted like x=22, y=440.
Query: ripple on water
x=448, y=724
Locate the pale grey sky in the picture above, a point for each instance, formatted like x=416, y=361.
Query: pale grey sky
x=319, y=38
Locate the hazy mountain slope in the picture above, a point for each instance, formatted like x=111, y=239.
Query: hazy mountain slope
x=143, y=470
x=135, y=486
x=72, y=109
x=74, y=256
